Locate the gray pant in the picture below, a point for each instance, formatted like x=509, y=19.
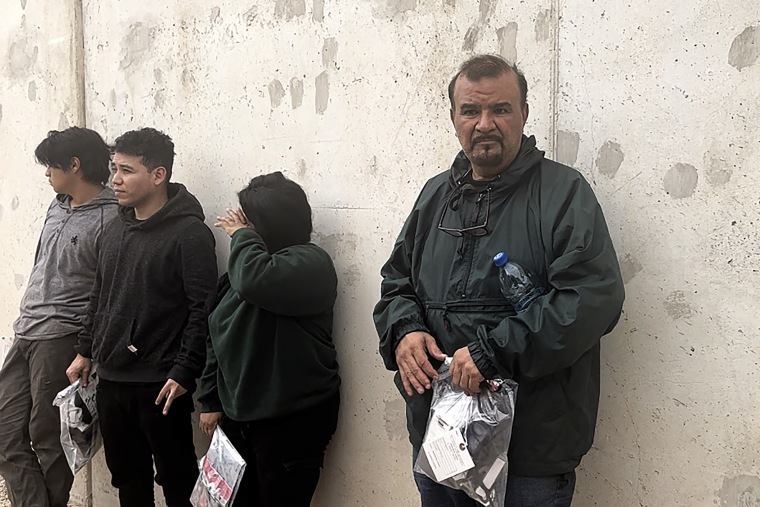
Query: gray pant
x=31, y=459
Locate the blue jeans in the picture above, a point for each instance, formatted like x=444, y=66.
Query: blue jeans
x=522, y=491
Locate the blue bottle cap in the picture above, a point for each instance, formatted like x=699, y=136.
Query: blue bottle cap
x=500, y=259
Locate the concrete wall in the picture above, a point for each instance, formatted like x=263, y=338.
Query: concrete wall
x=656, y=103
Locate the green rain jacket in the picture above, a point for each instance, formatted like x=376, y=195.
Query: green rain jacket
x=545, y=216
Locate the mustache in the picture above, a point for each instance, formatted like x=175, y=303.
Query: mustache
x=481, y=139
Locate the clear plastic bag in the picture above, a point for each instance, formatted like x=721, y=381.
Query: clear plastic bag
x=467, y=438
x=221, y=471
x=80, y=431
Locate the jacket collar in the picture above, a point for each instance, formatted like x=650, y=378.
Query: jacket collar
x=527, y=159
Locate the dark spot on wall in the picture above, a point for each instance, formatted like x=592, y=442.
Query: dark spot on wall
x=609, y=158
x=158, y=99
x=215, y=15
x=395, y=419
x=296, y=92
x=681, y=181
x=301, y=169
x=677, y=306
x=567, y=147
x=486, y=10
x=471, y=38
x=22, y=55
x=250, y=15
x=508, y=41
x=134, y=45
x=32, y=91
x=329, y=53
x=745, y=49
x=289, y=9
x=718, y=172
x=276, y=93
x=322, y=93
x=543, y=28
x=318, y=11
x=629, y=267
x=386, y=9
x=740, y=491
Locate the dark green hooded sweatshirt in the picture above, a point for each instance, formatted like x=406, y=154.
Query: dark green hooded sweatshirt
x=545, y=216
x=270, y=351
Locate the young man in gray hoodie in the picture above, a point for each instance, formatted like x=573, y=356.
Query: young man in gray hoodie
x=51, y=316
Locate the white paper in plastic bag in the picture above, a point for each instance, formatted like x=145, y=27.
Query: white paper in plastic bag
x=467, y=438
x=221, y=471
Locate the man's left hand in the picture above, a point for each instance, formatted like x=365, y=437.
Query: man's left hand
x=464, y=373
x=170, y=391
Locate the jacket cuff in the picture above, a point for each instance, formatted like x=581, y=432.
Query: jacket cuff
x=211, y=406
x=183, y=376
x=84, y=350
x=482, y=361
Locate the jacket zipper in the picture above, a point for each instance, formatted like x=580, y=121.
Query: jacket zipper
x=470, y=248
x=492, y=306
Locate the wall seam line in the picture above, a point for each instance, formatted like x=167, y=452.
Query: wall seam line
x=80, y=63
x=80, y=83
x=555, y=78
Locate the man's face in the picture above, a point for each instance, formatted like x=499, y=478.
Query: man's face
x=489, y=119
x=63, y=182
x=133, y=184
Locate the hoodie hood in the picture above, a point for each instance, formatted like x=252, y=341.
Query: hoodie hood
x=181, y=204
x=527, y=159
x=104, y=198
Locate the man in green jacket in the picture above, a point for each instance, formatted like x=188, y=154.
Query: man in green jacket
x=441, y=295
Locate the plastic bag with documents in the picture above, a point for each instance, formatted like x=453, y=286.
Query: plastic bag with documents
x=80, y=431
x=467, y=438
x=221, y=470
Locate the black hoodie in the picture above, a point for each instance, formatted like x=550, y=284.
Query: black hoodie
x=147, y=319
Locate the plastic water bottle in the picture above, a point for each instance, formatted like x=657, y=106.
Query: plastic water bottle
x=518, y=285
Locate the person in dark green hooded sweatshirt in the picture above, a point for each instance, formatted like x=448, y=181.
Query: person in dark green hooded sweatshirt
x=271, y=378
x=440, y=292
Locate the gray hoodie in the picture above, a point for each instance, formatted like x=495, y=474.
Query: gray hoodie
x=56, y=298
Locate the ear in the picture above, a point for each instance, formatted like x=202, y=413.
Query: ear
x=451, y=115
x=526, y=110
x=76, y=164
x=159, y=175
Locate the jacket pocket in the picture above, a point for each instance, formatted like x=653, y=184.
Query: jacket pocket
x=455, y=324
x=113, y=340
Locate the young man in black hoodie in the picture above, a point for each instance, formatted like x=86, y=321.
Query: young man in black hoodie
x=51, y=314
x=147, y=325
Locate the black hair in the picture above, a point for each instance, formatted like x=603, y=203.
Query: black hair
x=481, y=66
x=154, y=147
x=278, y=209
x=59, y=147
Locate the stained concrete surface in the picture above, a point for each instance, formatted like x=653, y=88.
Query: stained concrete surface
x=656, y=103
